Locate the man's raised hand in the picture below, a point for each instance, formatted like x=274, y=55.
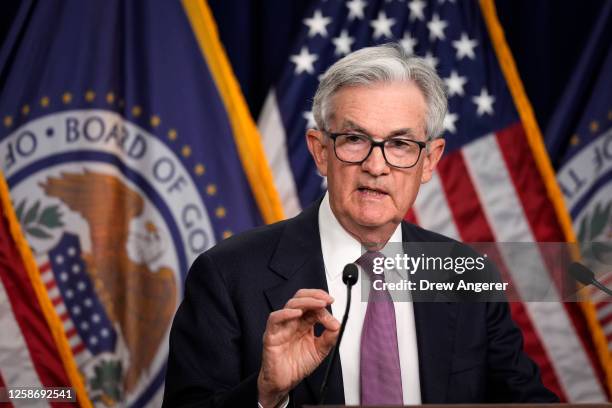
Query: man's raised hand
x=291, y=351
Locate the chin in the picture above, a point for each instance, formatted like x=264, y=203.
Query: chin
x=373, y=219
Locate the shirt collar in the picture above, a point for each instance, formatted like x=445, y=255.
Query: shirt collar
x=338, y=246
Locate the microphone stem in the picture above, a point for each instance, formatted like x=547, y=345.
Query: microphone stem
x=334, y=351
x=602, y=287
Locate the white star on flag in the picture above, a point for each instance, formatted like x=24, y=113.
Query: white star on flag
x=465, y=47
x=317, y=24
x=449, y=122
x=343, y=43
x=304, y=61
x=416, y=10
x=408, y=43
x=382, y=25
x=436, y=28
x=355, y=9
x=484, y=102
x=310, y=120
x=454, y=84
x=431, y=60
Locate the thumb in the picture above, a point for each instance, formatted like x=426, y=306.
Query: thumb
x=326, y=341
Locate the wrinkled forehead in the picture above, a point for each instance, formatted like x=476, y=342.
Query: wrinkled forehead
x=380, y=109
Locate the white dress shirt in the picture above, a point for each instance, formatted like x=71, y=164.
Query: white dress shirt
x=340, y=248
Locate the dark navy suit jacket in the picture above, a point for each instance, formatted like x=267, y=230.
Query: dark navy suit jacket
x=468, y=352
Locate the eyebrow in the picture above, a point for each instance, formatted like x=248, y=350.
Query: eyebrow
x=350, y=125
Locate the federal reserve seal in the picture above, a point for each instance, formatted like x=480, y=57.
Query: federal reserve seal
x=114, y=219
x=585, y=180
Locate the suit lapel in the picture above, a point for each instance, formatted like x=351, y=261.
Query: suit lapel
x=299, y=260
x=435, y=330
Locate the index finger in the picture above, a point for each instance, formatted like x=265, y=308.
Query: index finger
x=315, y=293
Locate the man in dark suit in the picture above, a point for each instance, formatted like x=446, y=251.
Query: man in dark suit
x=258, y=322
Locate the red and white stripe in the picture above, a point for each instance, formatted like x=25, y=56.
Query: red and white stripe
x=486, y=205
x=29, y=355
x=275, y=146
x=16, y=364
x=507, y=219
x=433, y=211
x=79, y=350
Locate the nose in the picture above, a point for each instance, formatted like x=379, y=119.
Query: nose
x=376, y=164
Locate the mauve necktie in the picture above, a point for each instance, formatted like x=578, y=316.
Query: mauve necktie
x=381, y=377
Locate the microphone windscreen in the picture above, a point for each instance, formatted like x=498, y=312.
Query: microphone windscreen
x=581, y=273
x=350, y=274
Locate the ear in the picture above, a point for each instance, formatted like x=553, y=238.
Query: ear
x=432, y=157
x=318, y=147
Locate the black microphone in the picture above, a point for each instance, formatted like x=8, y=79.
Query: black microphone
x=350, y=274
x=586, y=276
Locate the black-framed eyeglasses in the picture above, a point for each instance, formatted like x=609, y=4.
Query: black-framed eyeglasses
x=355, y=148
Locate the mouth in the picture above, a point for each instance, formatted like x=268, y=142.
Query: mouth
x=372, y=192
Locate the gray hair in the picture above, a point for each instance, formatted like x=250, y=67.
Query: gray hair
x=383, y=63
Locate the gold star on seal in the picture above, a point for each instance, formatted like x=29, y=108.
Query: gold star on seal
x=186, y=151
x=25, y=109
x=155, y=121
x=90, y=96
x=594, y=126
x=227, y=234
x=110, y=98
x=67, y=98
x=44, y=101
x=172, y=134
x=211, y=189
x=575, y=140
x=8, y=121
x=199, y=169
x=136, y=111
x=220, y=212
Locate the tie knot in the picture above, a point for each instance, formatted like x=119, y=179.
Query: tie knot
x=366, y=261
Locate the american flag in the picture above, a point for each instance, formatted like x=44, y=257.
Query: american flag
x=86, y=324
x=492, y=183
x=33, y=352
